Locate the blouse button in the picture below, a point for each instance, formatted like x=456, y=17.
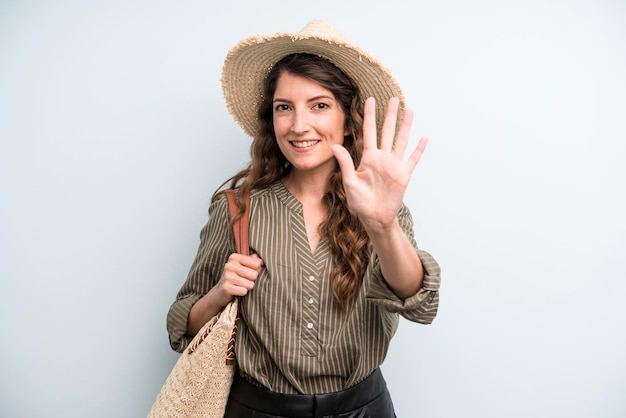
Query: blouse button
x=309, y=325
x=311, y=278
x=310, y=300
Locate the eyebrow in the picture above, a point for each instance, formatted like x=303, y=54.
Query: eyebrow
x=312, y=99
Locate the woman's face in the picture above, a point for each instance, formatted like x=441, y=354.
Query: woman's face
x=307, y=121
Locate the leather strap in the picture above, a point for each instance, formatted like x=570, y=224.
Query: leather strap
x=240, y=231
x=242, y=225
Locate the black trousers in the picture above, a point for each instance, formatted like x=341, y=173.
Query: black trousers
x=368, y=399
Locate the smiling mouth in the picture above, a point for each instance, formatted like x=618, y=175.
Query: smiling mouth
x=303, y=144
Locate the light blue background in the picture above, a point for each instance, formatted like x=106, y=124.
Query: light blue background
x=114, y=134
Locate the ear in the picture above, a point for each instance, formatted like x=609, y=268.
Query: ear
x=346, y=130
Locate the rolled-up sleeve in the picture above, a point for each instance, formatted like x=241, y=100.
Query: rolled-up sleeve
x=216, y=244
x=177, y=322
x=422, y=306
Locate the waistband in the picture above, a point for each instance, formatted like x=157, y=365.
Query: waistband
x=296, y=405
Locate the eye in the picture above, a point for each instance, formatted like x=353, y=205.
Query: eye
x=321, y=106
x=281, y=108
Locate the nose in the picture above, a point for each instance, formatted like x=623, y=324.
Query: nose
x=300, y=122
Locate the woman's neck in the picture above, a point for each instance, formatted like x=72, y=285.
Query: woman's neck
x=306, y=187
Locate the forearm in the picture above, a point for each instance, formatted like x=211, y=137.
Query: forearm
x=201, y=311
x=399, y=262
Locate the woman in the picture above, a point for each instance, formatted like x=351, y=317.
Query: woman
x=334, y=261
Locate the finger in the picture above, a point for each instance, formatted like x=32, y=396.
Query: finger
x=369, y=124
x=416, y=155
x=245, y=267
x=345, y=161
x=388, y=132
x=252, y=261
x=233, y=289
x=403, y=134
x=236, y=281
x=259, y=260
x=235, y=273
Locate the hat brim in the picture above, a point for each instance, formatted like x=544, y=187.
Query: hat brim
x=249, y=62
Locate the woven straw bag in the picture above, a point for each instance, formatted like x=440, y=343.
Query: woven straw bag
x=199, y=383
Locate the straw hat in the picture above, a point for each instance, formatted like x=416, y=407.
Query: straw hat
x=247, y=64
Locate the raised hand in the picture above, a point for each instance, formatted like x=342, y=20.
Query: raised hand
x=375, y=188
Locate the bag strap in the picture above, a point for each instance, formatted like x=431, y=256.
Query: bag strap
x=242, y=225
x=240, y=230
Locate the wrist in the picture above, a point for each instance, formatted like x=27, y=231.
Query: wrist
x=216, y=298
x=377, y=229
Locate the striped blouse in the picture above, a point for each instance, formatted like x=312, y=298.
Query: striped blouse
x=293, y=339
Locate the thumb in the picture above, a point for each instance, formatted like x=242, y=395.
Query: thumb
x=344, y=159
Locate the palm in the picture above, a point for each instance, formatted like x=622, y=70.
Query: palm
x=375, y=189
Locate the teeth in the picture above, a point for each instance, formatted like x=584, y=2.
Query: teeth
x=304, y=144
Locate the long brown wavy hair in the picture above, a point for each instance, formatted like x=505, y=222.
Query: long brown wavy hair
x=344, y=232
